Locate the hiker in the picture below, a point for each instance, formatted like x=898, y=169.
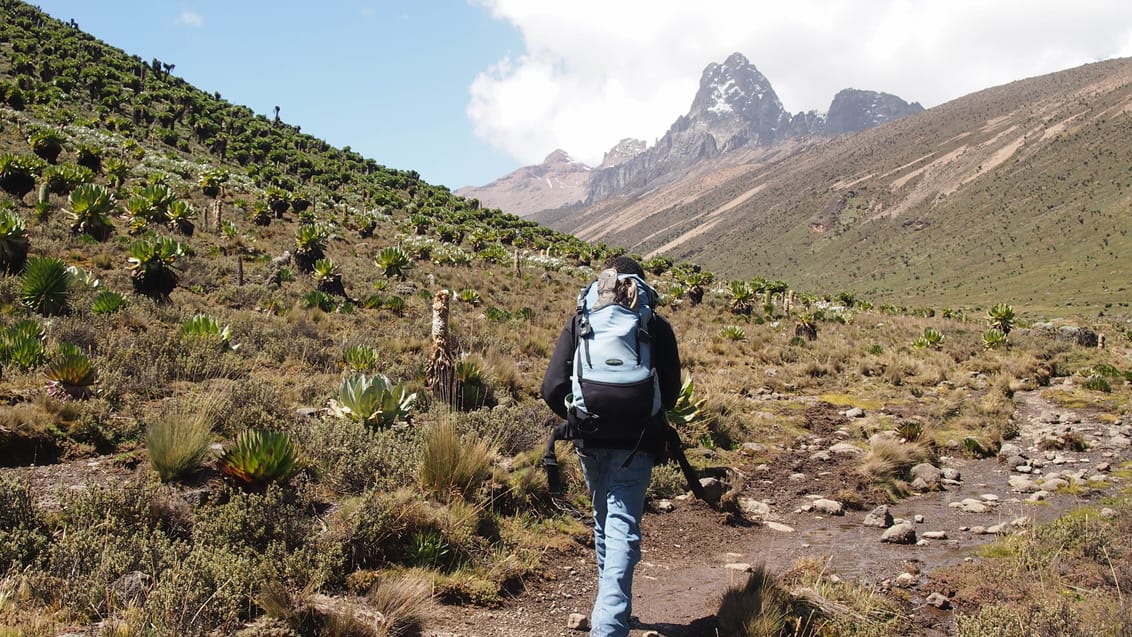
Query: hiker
x=619, y=431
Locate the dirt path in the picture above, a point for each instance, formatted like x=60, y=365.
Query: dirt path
x=687, y=552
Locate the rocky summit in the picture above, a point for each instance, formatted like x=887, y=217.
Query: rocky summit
x=735, y=116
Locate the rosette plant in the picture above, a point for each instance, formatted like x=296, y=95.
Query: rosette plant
x=372, y=400
x=13, y=241
x=91, y=205
x=258, y=458
x=46, y=286
x=151, y=264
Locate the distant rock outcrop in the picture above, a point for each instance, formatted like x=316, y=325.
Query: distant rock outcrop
x=853, y=110
x=558, y=181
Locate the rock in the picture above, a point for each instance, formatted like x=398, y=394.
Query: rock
x=989, y=497
x=1008, y=450
x=918, y=519
x=1021, y=522
x=1097, y=478
x=828, y=507
x=855, y=412
x=713, y=489
x=578, y=621
x=1053, y=484
x=1024, y=468
x=781, y=528
x=1108, y=513
x=750, y=506
x=1023, y=484
x=306, y=412
x=935, y=535
x=978, y=530
x=821, y=456
x=938, y=600
x=846, y=449
x=879, y=517
x=130, y=589
x=920, y=485
x=899, y=534
x=741, y=567
x=665, y=506
x=753, y=448
x=905, y=580
x=797, y=477
x=927, y=472
x=1082, y=336
x=1037, y=496
x=970, y=505
x=950, y=473
x=998, y=529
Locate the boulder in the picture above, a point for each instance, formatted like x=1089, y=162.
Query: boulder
x=879, y=517
x=828, y=507
x=900, y=534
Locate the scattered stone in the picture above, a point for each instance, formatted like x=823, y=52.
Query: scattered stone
x=1021, y=522
x=970, y=505
x=130, y=589
x=828, y=507
x=307, y=412
x=989, y=497
x=1053, y=484
x=1104, y=467
x=938, y=600
x=935, y=535
x=578, y=621
x=899, y=534
x=821, y=456
x=1108, y=513
x=797, y=477
x=1096, y=477
x=905, y=580
x=665, y=506
x=950, y=473
x=978, y=530
x=781, y=528
x=928, y=473
x=846, y=449
x=1037, y=496
x=918, y=519
x=713, y=489
x=998, y=529
x=754, y=448
x=879, y=517
x=1009, y=450
x=1023, y=484
x=752, y=507
x=855, y=412
x=1024, y=468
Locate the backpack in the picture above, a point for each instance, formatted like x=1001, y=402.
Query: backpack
x=615, y=391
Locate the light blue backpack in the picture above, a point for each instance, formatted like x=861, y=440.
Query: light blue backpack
x=615, y=391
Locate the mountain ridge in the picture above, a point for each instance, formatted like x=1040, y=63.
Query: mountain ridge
x=734, y=112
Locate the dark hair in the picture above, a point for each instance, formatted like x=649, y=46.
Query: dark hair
x=625, y=265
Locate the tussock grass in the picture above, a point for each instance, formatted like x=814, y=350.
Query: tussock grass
x=757, y=608
x=453, y=465
x=178, y=439
x=405, y=602
x=889, y=458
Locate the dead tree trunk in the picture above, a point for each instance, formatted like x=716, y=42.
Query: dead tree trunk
x=439, y=371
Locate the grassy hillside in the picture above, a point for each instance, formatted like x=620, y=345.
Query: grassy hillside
x=191, y=437
x=1016, y=193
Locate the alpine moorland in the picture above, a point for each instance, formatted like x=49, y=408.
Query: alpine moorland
x=254, y=384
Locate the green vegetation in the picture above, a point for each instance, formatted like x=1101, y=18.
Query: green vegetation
x=391, y=494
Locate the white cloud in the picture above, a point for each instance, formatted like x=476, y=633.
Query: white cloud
x=190, y=18
x=596, y=71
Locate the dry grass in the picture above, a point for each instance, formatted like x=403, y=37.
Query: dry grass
x=889, y=458
x=405, y=602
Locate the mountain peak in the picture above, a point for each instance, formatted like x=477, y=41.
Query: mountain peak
x=559, y=156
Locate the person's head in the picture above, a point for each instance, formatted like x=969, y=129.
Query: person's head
x=625, y=265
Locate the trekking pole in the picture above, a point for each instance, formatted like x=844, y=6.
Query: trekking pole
x=676, y=447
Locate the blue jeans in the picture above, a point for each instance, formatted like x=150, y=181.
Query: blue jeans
x=618, y=495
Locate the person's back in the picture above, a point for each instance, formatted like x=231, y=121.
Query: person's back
x=617, y=427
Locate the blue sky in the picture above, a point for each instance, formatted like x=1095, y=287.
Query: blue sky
x=464, y=91
x=388, y=79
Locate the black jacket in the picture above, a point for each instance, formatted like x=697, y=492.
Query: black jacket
x=665, y=356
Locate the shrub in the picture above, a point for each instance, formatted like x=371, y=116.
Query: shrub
x=178, y=439
x=46, y=286
x=373, y=400
x=23, y=531
x=1096, y=382
x=18, y=172
x=452, y=466
x=260, y=457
